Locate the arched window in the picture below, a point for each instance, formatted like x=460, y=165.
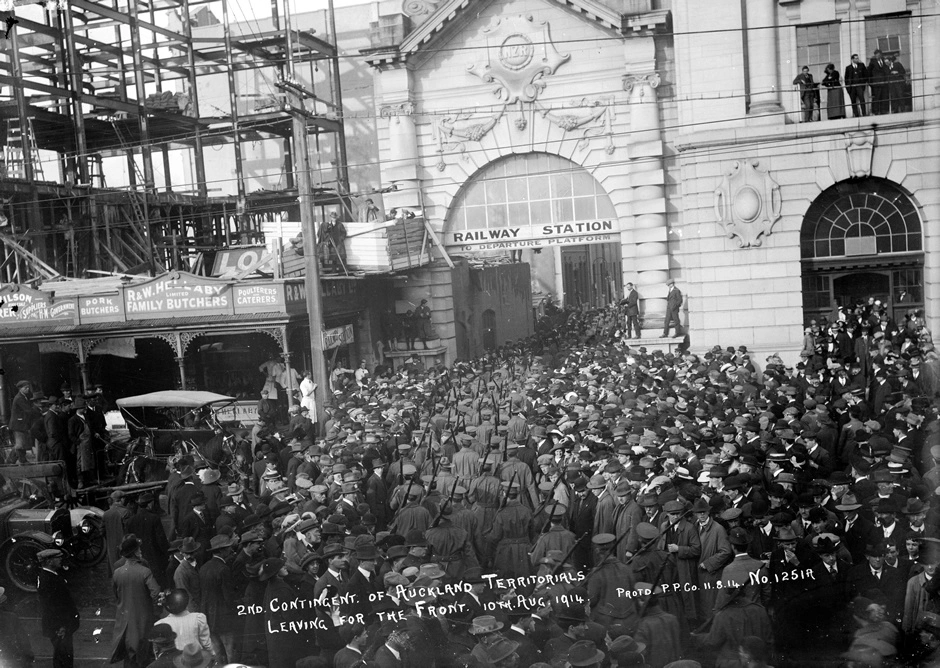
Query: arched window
x=868, y=217
x=529, y=189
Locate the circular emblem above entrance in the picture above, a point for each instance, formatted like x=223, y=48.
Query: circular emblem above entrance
x=516, y=51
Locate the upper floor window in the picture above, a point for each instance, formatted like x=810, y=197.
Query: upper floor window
x=816, y=46
x=889, y=34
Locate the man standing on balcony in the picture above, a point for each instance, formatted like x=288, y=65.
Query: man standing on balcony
x=856, y=78
x=878, y=80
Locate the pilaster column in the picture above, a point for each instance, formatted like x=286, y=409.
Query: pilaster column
x=399, y=163
x=86, y=379
x=649, y=199
x=400, y=166
x=763, y=73
x=181, y=363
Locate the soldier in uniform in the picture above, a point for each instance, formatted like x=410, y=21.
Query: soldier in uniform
x=509, y=537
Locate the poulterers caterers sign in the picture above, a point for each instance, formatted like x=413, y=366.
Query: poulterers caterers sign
x=534, y=236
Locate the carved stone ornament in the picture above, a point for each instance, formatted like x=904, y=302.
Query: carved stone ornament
x=519, y=55
x=747, y=203
x=419, y=10
x=397, y=110
x=640, y=82
x=859, y=147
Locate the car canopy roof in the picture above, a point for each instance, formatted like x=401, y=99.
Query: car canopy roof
x=169, y=398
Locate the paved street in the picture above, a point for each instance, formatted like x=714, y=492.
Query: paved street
x=92, y=591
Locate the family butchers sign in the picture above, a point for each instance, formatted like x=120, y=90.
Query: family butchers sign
x=534, y=236
x=178, y=294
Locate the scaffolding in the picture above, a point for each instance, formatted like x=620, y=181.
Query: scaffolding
x=99, y=79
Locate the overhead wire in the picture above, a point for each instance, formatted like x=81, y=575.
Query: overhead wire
x=734, y=149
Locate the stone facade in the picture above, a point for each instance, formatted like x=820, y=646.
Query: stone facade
x=684, y=113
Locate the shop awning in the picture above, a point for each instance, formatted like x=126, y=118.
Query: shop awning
x=144, y=328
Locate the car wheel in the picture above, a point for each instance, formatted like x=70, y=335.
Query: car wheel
x=21, y=564
x=88, y=546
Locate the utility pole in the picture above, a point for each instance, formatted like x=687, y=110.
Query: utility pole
x=301, y=155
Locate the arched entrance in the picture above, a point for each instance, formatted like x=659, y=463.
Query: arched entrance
x=862, y=240
x=549, y=212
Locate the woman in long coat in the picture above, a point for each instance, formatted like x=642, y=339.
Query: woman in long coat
x=835, y=99
x=137, y=593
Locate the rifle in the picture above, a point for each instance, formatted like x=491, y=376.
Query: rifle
x=434, y=466
x=570, y=552
x=509, y=489
x=644, y=547
x=548, y=521
x=551, y=495
x=448, y=501
x=411, y=483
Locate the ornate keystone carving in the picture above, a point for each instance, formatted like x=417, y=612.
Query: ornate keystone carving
x=859, y=147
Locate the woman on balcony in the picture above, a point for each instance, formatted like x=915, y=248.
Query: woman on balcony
x=835, y=99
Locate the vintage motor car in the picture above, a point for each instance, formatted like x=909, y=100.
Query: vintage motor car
x=162, y=425
x=37, y=513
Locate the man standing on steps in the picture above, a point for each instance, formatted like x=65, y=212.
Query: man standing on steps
x=631, y=302
x=673, y=304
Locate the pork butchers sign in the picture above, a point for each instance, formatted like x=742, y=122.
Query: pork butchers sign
x=178, y=294
x=520, y=237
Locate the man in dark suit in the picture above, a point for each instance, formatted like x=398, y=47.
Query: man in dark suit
x=356, y=637
x=744, y=571
x=673, y=304
x=154, y=546
x=581, y=520
x=335, y=575
x=197, y=525
x=218, y=591
x=856, y=78
x=872, y=574
x=60, y=618
x=631, y=302
x=857, y=531
x=827, y=596
x=878, y=80
x=21, y=419
x=389, y=655
x=363, y=585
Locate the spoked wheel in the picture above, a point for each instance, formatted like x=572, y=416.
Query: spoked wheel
x=88, y=546
x=21, y=563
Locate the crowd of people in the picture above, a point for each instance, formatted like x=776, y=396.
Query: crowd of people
x=568, y=500
x=879, y=88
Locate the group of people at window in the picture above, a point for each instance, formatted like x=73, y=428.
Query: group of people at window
x=881, y=87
